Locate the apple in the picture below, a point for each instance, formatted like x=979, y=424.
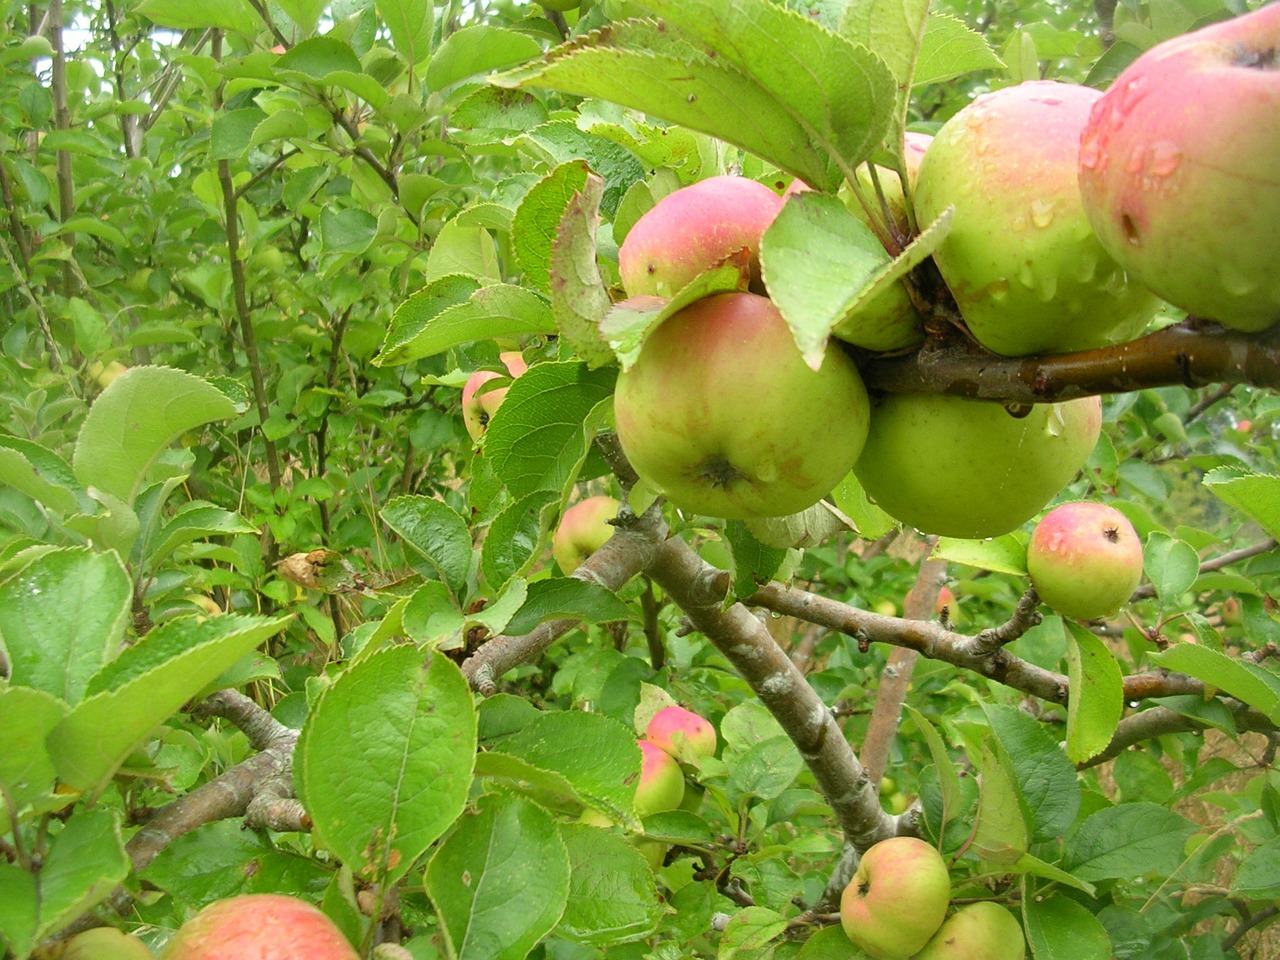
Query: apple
x=1178, y=170
x=897, y=898
x=661, y=786
x=105, y=374
x=479, y=407
x=970, y=468
x=977, y=931
x=676, y=729
x=583, y=530
x=259, y=926
x=691, y=230
x=1232, y=613
x=721, y=414
x=1021, y=260
x=105, y=943
x=1084, y=560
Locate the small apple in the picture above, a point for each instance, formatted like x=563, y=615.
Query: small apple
x=721, y=414
x=1084, y=560
x=1178, y=170
x=1023, y=264
x=478, y=407
x=977, y=931
x=1232, y=614
x=259, y=926
x=971, y=468
x=897, y=898
x=583, y=530
x=691, y=230
x=105, y=943
x=676, y=728
x=661, y=786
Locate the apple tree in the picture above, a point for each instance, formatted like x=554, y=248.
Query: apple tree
x=914, y=366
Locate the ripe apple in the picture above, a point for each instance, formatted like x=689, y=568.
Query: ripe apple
x=105, y=943
x=1021, y=260
x=1084, y=559
x=970, y=468
x=1178, y=170
x=583, y=530
x=721, y=414
x=977, y=931
x=479, y=407
x=259, y=926
x=897, y=898
x=676, y=729
x=691, y=230
x=661, y=786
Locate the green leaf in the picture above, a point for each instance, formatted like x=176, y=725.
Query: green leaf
x=500, y=881
x=234, y=15
x=1130, y=841
x=538, y=438
x=316, y=59
x=597, y=755
x=953, y=804
x=435, y=531
x=533, y=232
x=498, y=310
x=40, y=474
x=346, y=231
x=85, y=862
x=1059, y=928
x=415, y=316
x=894, y=30
x=1171, y=565
x=544, y=787
x=764, y=770
x=515, y=538
x=383, y=764
x=1007, y=554
x=476, y=49
x=134, y=419
x=1096, y=698
x=462, y=248
x=951, y=49
x=579, y=299
x=1046, y=779
x=567, y=598
x=305, y=13
x=749, y=932
x=1258, y=876
x=639, y=64
x=195, y=521
x=145, y=686
x=867, y=518
x=1002, y=833
x=489, y=116
x=26, y=770
x=1255, y=495
x=19, y=909
x=62, y=617
x=612, y=895
x=754, y=563
x=1247, y=682
x=231, y=132
x=409, y=22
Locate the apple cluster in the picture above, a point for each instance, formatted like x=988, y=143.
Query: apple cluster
x=895, y=908
x=674, y=736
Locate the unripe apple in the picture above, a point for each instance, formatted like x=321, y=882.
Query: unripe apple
x=1232, y=614
x=105, y=943
x=1084, y=560
x=897, y=898
x=583, y=530
x=691, y=230
x=977, y=931
x=479, y=407
x=675, y=725
x=1179, y=174
x=721, y=414
x=971, y=468
x=661, y=786
x=259, y=926
x=1026, y=270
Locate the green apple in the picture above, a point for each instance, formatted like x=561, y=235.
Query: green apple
x=676, y=729
x=105, y=943
x=583, y=530
x=479, y=406
x=1179, y=175
x=977, y=931
x=1084, y=560
x=661, y=786
x=1021, y=260
x=897, y=898
x=691, y=230
x=256, y=926
x=721, y=414
x=970, y=468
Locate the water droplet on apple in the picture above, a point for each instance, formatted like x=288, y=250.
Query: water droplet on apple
x=1056, y=423
x=1091, y=153
x=1163, y=159
x=1137, y=158
x=1042, y=213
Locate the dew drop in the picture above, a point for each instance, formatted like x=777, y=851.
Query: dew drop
x=1042, y=213
x=1163, y=159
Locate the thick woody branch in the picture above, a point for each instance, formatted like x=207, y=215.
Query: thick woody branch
x=253, y=721
x=1189, y=354
x=700, y=590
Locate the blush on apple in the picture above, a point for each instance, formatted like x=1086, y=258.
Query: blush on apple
x=479, y=405
x=1179, y=174
x=721, y=414
x=897, y=898
x=259, y=926
x=676, y=729
x=1084, y=559
x=661, y=786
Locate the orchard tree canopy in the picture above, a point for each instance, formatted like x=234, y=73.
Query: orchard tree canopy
x=317, y=319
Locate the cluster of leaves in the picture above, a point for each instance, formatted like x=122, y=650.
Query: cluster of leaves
x=302, y=225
